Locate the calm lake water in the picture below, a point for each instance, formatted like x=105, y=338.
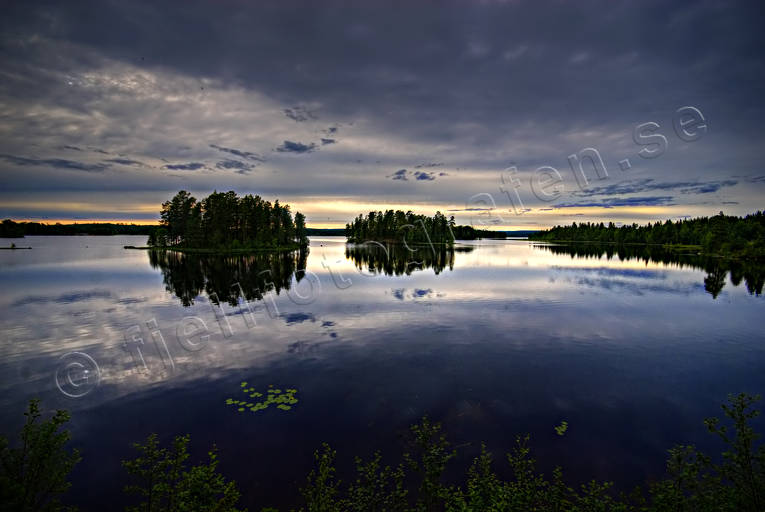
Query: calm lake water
x=494, y=339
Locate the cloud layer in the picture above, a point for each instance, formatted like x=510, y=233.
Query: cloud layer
x=322, y=104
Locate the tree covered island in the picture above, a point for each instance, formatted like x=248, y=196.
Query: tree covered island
x=723, y=235
x=224, y=221
x=398, y=226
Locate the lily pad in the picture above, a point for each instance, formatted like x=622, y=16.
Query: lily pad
x=283, y=399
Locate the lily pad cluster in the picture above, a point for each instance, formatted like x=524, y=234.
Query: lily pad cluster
x=282, y=399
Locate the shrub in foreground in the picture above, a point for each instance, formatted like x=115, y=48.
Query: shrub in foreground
x=34, y=475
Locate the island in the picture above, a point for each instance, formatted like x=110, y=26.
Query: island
x=407, y=227
x=223, y=222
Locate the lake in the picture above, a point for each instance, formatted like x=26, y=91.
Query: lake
x=494, y=339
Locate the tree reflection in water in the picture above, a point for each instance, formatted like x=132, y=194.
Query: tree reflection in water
x=399, y=259
x=752, y=272
x=227, y=278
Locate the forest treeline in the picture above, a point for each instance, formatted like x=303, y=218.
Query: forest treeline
x=34, y=476
x=224, y=220
x=12, y=229
x=399, y=226
x=720, y=234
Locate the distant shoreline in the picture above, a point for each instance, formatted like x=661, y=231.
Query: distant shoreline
x=725, y=236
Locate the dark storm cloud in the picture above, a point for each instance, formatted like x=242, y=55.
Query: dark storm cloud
x=296, y=147
x=612, y=202
x=352, y=61
x=399, y=175
x=191, y=166
x=404, y=175
x=478, y=85
x=236, y=165
x=429, y=164
x=126, y=161
x=299, y=114
x=58, y=163
x=324, y=141
x=707, y=188
x=649, y=184
x=238, y=152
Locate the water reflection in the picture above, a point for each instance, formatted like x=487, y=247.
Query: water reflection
x=752, y=273
x=514, y=339
x=228, y=278
x=398, y=259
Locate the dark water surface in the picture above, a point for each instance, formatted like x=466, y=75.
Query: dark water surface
x=494, y=339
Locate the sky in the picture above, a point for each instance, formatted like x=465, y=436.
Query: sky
x=485, y=110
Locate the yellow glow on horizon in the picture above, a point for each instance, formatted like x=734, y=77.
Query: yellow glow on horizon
x=140, y=222
x=615, y=211
x=328, y=213
x=335, y=206
x=76, y=207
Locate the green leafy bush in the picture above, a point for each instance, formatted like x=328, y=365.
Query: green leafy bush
x=34, y=475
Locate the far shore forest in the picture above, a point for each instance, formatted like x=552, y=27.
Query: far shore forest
x=723, y=235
